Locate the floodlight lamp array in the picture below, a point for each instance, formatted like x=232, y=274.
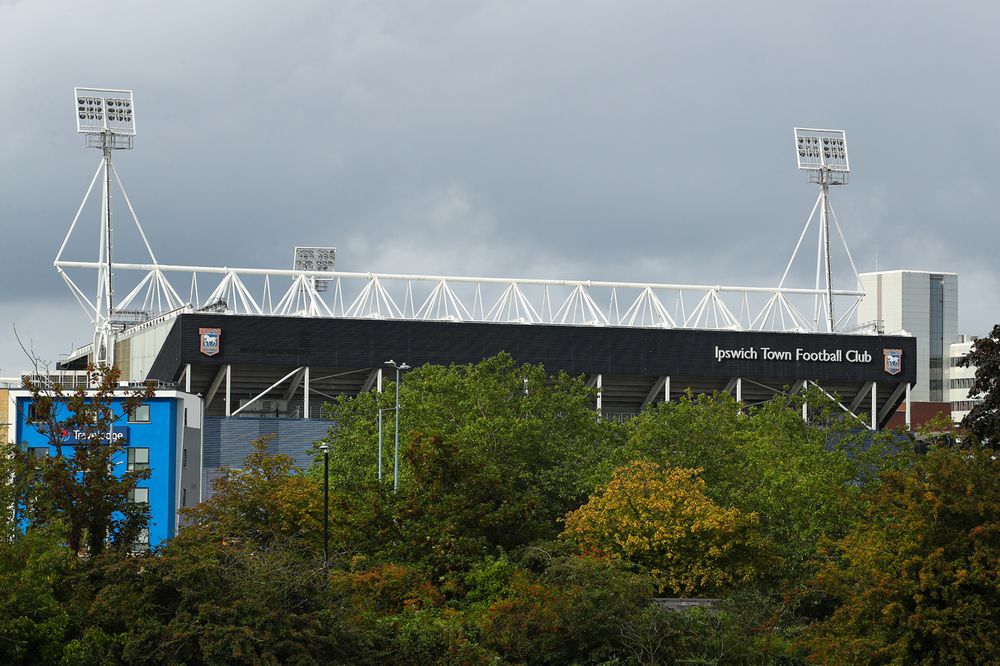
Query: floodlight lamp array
x=100, y=111
x=818, y=149
x=318, y=259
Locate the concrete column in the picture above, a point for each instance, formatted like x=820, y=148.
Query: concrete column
x=600, y=384
x=305, y=396
x=908, y=406
x=874, y=405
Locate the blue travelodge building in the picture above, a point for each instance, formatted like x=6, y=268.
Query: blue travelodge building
x=163, y=435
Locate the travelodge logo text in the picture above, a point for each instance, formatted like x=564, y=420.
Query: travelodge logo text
x=118, y=435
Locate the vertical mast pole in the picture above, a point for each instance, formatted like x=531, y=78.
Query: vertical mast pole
x=104, y=353
x=825, y=219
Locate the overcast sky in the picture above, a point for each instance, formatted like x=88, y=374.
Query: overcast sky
x=634, y=141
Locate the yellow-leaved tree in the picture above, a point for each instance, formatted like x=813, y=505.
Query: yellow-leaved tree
x=660, y=520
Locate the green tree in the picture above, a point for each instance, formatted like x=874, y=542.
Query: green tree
x=571, y=611
x=495, y=454
x=263, y=503
x=801, y=478
x=983, y=420
x=918, y=581
x=35, y=618
x=77, y=488
x=242, y=583
x=661, y=520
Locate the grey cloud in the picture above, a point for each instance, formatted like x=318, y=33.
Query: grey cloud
x=633, y=141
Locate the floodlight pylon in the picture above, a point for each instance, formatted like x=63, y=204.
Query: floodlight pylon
x=822, y=154
x=107, y=119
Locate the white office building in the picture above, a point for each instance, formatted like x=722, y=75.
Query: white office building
x=960, y=379
x=925, y=305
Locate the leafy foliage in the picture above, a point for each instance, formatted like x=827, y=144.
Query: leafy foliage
x=918, y=581
x=820, y=541
x=494, y=455
x=983, y=420
x=661, y=520
x=34, y=618
x=800, y=479
x=263, y=503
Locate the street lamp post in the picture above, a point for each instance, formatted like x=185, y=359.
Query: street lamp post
x=395, y=463
x=326, y=503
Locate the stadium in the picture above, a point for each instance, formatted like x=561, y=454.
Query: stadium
x=251, y=351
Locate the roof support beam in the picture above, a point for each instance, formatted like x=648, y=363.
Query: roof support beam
x=294, y=385
x=894, y=397
x=268, y=389
x=373, y=379
x=660, y=386
x=214, y=386
x=860, y=397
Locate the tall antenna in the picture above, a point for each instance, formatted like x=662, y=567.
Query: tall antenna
x=822, y=154
x=106, y=118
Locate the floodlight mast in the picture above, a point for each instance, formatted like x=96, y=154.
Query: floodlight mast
x=106, y=117
x=822, y=154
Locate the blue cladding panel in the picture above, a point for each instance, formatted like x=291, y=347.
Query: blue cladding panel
x=227, y=439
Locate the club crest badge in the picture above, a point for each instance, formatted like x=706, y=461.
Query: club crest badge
x=893, y=360
x=211, y=340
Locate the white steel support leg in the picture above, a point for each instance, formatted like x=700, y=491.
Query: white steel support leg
x=305, y=397
x=229, y=385
x=187, y=378
x=739, y=389
x=908, y=406
x=600, y=384
x=874, y=406
x=825, y=217
x=666, y=389
x=379, y=384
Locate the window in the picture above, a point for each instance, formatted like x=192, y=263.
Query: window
x=38, y=451
x=139, y=496
x=37, y=412
x=964, y=382
x=185, y=416
x=965, y=405
x=184, y=496
x=138, y=459
x=184, y=458
x=141, y=544
x=139, y=414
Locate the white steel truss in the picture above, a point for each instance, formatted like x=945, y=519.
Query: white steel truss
x=277, y=292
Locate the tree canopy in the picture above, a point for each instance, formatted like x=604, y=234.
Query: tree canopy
x=661, y=520
x=527, y=530
x=983, y=420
